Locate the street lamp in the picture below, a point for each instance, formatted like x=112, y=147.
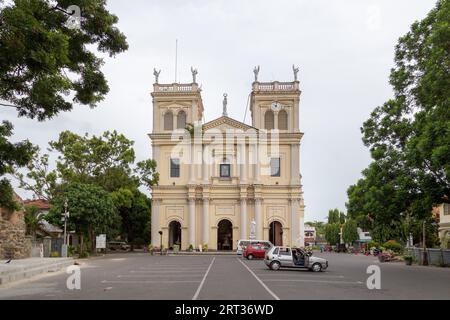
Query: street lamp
x=65, y=217
x=160, y=242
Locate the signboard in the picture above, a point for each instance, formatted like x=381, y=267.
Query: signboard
x=100, y=241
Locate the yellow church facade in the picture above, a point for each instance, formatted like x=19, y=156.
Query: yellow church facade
x=225, y=180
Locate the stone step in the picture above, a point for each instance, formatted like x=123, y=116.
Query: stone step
x=33, y=270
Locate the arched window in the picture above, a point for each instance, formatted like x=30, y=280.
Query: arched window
x=282, y=120
x=181, y=120
x=168, y=120
x=268, y=120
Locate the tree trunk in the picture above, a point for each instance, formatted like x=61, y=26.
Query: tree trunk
x=81, y=245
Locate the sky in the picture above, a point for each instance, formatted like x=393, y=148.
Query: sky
x=344, y=49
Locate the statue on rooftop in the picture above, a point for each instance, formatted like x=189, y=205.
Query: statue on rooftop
x=156, y=74
x=225, y=102
x=194, y=74
x=256, y=71
x=295, y=72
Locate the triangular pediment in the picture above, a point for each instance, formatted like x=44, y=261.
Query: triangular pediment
x=223, y=123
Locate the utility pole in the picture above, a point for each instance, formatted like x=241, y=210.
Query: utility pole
x=425, y=254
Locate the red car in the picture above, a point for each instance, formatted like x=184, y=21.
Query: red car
x=257, y=250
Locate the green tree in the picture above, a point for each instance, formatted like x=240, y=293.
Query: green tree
x=11, y=155
x=43, y=61
x=32, y=220
x=134, y=209
x=92, y=211
x=350, y=232
x=333, y=216
x=332, y=231
x=409, y=135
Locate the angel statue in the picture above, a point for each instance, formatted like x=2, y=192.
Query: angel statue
x=295, y=72
x=194, y=74
x=156, y=74
x=256, y=71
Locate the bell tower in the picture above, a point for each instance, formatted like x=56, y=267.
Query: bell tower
x=275, y=105
x=176, y=104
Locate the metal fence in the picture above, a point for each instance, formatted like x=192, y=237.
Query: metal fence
x=439, y=257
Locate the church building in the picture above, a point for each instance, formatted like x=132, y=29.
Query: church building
x=226, y=180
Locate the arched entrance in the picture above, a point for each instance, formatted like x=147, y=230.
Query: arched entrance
x=276, y=233
x=225, y=235
x=174, y=234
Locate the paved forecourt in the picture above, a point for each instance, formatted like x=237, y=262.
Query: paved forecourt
x=230, y=277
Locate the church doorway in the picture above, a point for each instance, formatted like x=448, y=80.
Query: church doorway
x=225, y=235
x=174, y=234
x=276, y=233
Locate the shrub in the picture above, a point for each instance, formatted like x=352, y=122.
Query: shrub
x=373, y=244
x=205, y=247
x=84, y=254
x=191, y=247
x=393, y=245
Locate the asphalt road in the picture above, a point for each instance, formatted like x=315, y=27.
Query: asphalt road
x=141, y=276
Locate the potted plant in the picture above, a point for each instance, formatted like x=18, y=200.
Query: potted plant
x=205, y=247
x=176, y=248
x=191, y=248
x=408, y=259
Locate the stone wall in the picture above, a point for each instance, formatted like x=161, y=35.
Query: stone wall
x=13, y=242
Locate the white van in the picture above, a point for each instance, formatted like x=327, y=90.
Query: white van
x=243, y=243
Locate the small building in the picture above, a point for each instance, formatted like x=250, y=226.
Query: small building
x=46, y=229
x=443, y=215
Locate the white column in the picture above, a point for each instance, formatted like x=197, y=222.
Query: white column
x=242, y=164
x=192, y=163
x=258, y=170
x=205, y=222
x=295, y=164
x=258, y=219
x=295, y=223
x=275, y=120
x=192, y=222
x=205, y=167
x=244, y=218
x=155, y=224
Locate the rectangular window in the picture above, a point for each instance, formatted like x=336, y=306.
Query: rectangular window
x=174, y=168
x=446, y=209
x=225, y=170
x=275, y=167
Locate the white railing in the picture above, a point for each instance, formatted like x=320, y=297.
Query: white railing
x=176, y=87
x=275, y=86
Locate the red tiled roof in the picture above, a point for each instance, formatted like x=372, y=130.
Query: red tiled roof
x=40, y=203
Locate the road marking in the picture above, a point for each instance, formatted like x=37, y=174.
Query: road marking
x=163, y=272
x=259, y=280
x=313, y=281
x=203, y=280
x=298, y=275
x=148, y=281
x=154, y=275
